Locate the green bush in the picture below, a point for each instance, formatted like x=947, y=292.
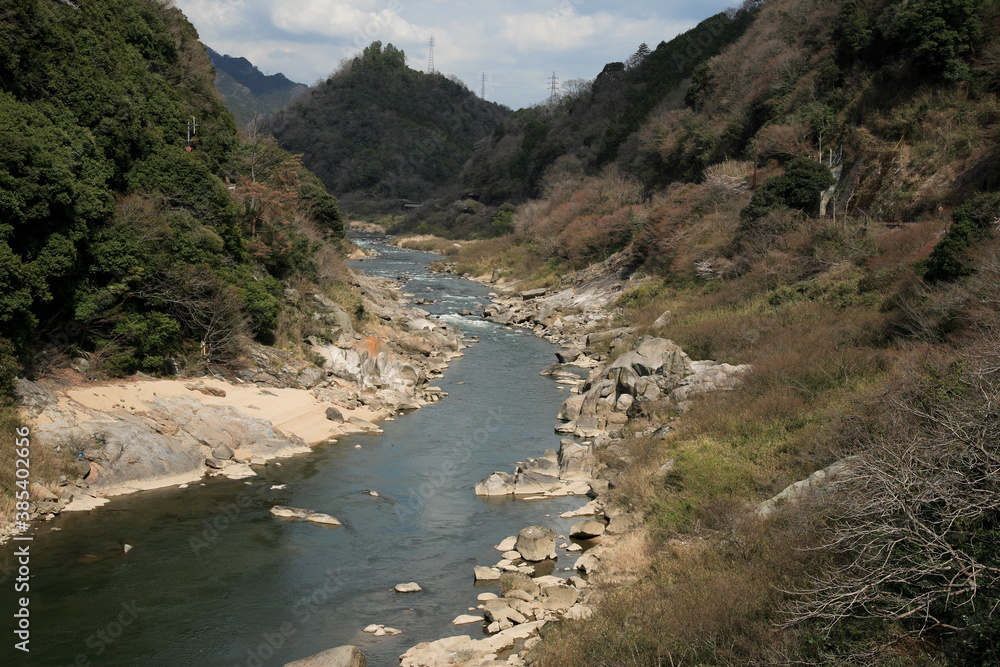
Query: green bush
x=798, y=188
x=971, y=223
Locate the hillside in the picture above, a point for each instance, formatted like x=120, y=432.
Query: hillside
x=377, y=132
x=860, y=288
x=123, y=248
x=592, y=126
x=247, y=91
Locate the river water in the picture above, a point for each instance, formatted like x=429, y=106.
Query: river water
x=214, y=579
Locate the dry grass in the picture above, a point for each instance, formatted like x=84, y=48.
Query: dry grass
x=47, y=465
x=699, y=601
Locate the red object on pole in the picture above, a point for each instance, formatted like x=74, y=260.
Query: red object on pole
x=188, y=148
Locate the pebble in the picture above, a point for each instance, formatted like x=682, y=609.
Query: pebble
x=357, y=446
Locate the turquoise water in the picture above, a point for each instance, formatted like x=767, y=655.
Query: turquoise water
x=214, y=579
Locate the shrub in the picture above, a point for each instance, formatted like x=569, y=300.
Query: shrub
x=972, y=222
x=798, y=188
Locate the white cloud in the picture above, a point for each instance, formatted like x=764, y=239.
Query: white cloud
x=517, y=43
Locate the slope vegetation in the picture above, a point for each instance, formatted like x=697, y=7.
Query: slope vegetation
x=378, y=130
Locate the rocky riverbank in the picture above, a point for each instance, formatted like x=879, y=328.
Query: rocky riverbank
x=621, y=384
x=142, y=433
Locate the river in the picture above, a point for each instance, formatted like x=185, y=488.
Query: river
x=214, y=579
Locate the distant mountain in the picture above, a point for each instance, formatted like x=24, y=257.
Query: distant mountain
x=246, y=90
x=377, y=130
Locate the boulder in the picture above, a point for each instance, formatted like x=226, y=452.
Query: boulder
x=335, y=415
x=342, y=656
x=568, y=356
x=496, y=484
x=466, y=619
x=575, y=460
x=222, y=452
x=559, y=597
x=571, y=408
x=500, y=610
x=584, y=530
x=412, y=587
x=507, y=544
x=304, y=515
x=536, y=543
x=535, y=483
x=663, y=320
x=485, y=573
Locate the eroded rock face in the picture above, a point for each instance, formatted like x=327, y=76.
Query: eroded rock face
x=536, y=543
x=173, y=436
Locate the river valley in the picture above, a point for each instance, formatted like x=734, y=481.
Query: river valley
x=214, y=579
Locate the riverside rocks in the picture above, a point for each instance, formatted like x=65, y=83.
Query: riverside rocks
x=342, y=656
x=585, y=530
x=566, y=472
x=536, y=543
x=304, y=515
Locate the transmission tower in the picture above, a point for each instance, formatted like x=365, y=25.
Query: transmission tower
x=482, y=94
x=555, y=82
x=430, y=56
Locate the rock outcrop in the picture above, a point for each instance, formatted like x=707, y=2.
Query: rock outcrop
x=342, y=656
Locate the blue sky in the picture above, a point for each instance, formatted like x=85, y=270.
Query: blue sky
x=516, y=44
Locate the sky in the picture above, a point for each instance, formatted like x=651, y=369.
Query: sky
x=516, y=44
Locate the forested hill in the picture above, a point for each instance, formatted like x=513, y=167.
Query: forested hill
x=119, y=241
x=378, y=130
x=247, y=91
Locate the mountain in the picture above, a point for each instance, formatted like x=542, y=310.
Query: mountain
x=121, y=238
x=246, y=90
x=379, y=131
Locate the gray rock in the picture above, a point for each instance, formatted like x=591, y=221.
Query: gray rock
x=533, y=293
x=222, y=452
x=571, y=408
x=663, y=320
x=575, y=460
x=342, y=656
x=568, y=356
x=214, y=463
x=412, y=587
x=303, y=514
x=335, y=415
x=496, y=484
x=536, y=543
x=559, y=597
x=533, y=483
x=584, y=530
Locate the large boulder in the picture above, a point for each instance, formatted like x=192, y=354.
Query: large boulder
x=584, y=530
x=575, y=460
x=496, y=484
x=533, y=483
x=536, y=543
x=658, y=357
x=342, y=656
x=571, y=408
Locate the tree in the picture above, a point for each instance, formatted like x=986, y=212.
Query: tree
x=915, y=525
x=971, y=223
x=798, y=188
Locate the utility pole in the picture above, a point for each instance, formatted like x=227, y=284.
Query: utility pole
x=552, y=94
x=430, y=56
x=482, y=93
x=192, y=130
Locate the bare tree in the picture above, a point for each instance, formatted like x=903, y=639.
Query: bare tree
x=207, y=307
x=914, y=529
